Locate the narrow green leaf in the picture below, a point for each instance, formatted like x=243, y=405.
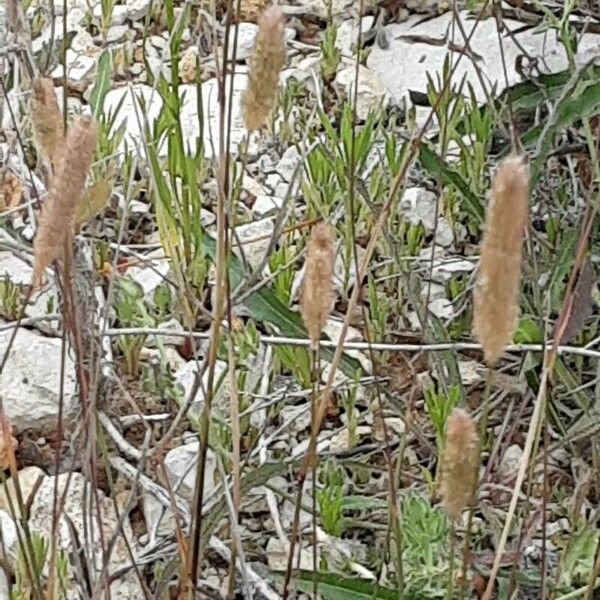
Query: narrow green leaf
x=528, y=95
x=102, y=84
x=439, y=170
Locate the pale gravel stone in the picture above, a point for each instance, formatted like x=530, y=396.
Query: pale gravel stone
x=81, y=70
x=180, y=464
x=185, y=377
x=265, y=204
x=29, y=478
x=371, y=95
x=30, y=383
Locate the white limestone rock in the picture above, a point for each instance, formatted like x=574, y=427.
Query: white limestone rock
x=30, y=382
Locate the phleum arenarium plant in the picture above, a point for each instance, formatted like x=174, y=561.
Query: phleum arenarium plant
x=497, y=287
x=60, y=207
x=266, y=62
x=459, y=462
x=47, y=121
x=317, y=291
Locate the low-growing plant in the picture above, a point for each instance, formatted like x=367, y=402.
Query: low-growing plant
x=107, y=7
x=292, y=117
x=425, y=531
x=449, y=105
x=425, y=545
x=281, y=265
x=157, y=378
x=12, y=299
x=329, y=498
x=379, y=309
x=330, y=54
x=29, y=570
x=131, y=312
x=579, y=554
x=438, y=407
x=296, y=361
x=349, y=402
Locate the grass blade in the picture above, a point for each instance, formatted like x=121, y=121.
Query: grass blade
x=440, y=171
x=102, y=84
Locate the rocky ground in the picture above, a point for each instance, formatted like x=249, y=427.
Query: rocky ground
x=153, y=381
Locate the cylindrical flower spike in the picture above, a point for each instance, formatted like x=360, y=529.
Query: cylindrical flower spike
x=317, y=290
x=459, y=462
x=59, y=209
x=266, y=63
x=46, y=119
x=496, y=295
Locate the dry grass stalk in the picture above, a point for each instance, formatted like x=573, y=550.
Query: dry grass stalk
x=317, y=290
x=47, y=120
x=459, y=462
x=268, y=58
x=496, y=292
x=61, y=205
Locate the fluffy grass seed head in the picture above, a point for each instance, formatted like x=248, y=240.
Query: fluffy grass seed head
x=496, y=294
x=317, y=290
x=459, y=462
x=266, y=62
x=47, y=120
x=59, y=210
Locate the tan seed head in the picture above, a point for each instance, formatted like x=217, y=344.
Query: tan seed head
x=266, y=62
x=496, y=295
x=61, y=205
x=317, y=291
x=459, y=462
x=47, y=120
